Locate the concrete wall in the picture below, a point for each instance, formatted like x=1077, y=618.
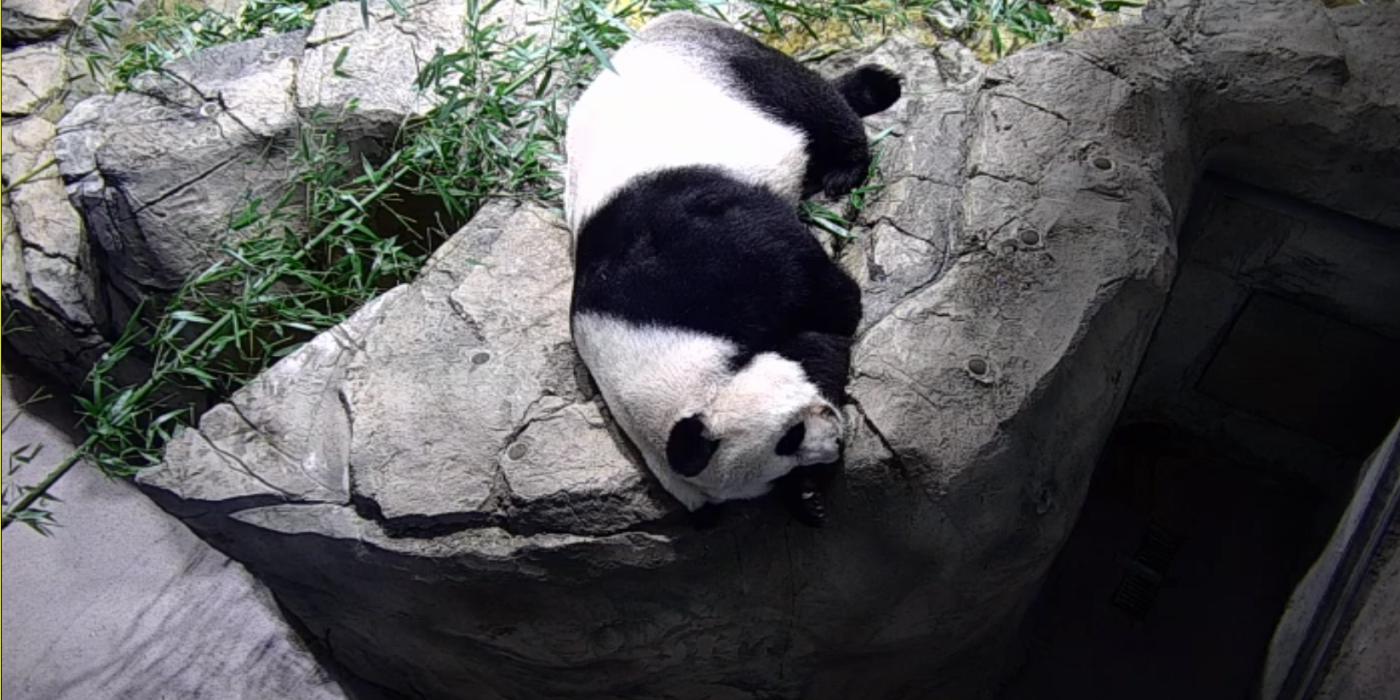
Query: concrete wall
x=1367, y=666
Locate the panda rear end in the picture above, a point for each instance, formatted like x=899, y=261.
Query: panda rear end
x=715, y=326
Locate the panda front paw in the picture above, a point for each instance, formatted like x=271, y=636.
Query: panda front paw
x=838, y=182
x=804, y=500
x=811, y=508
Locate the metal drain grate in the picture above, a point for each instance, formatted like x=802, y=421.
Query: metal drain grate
x=1145, y=571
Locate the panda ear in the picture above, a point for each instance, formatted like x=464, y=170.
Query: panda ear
x=688, y=451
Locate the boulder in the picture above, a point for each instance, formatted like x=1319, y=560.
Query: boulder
x=39, y=20
x=376, y=68
x=32, y=75
x=50, y=286
x=27, y=20
x=160, y=172
x=436, y=491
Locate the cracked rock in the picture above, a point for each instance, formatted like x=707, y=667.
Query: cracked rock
x=566, y=467
x=377, y=68
x=27, y=20
x=437, y=493
x=159, y=173
x=49, y=282
x=476, y=377
x=56, y=258
x=284, y=437
x=31, y=20
x=356, y=418
x=32, y=76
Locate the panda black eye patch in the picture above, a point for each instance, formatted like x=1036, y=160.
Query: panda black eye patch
x=791, y=440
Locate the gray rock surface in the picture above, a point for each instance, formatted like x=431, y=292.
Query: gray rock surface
x=378, y=67
x=1362, y=666
x=145, y=185
x=32, y=75
x=160, y=172
x=122, y=601
x=26, y=20
x=49, y=280
x=1365, y=667
x=435, y=490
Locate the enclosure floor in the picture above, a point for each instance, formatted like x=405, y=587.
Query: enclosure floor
x=1244, y=538
x=124, y=602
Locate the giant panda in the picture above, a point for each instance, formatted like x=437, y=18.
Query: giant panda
x=715, y=326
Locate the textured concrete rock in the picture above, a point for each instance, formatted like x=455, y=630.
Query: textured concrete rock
x=159, y=172
x=155, y=175
x=26, y=20
x=32, y=76
x=122, y=601
x=378, y=67
x=511, y=369
x=435, y=489
x=30, y=20
x=49, y=281
x=1365, y=667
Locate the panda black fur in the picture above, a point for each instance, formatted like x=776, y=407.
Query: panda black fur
x=715, y=326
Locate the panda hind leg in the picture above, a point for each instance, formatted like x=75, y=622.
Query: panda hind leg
x=868, y=89
x=840, y=180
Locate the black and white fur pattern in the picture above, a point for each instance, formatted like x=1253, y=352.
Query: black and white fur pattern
x=715, y=326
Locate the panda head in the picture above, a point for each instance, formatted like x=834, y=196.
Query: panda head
x=764, y=421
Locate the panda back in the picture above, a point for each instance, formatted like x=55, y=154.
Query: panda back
x=668, y=104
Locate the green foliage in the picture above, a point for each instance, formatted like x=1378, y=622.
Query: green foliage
x=166, y=37
x=177, y=32
x=998, y=27
x=810, y=30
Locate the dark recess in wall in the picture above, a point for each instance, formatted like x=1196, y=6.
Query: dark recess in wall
x=1272, y=374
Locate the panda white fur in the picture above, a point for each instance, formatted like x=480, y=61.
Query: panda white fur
x=714, y=325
